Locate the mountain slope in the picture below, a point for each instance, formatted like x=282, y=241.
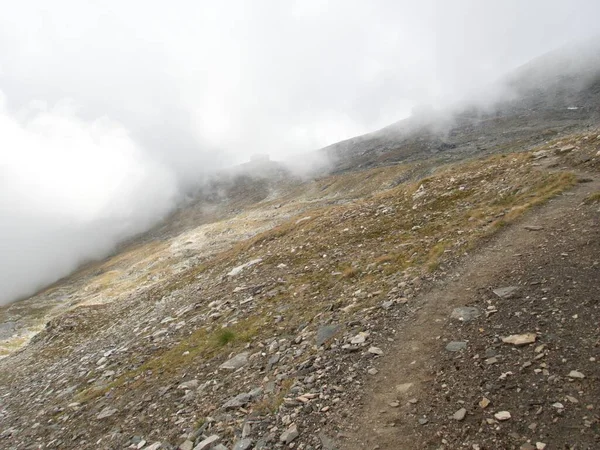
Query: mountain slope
x=268, y=309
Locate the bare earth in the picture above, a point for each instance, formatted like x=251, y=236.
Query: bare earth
x=324, y=318
x=555, y=264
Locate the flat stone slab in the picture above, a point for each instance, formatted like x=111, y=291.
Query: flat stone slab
x=325, y=333
x=456, y=346
x=465, y=313
x=520, y=339
x=106, y=412
x=237, y=270
x=236, y=362
x=506, y=292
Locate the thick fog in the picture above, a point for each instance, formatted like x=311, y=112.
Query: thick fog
x=109, y=111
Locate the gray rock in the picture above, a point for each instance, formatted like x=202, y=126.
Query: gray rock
x=576, y=374
x=325, y=333
x=520, y=339
x=290, y=434
x=423, y=421
x=506, y=292
x=192, y=384
x=272, y=361
x=533, y=228
x=243, y=444
x=375, y=351
x=207, y=443
x=154, y=446
x=502, y=415
x=490, y=352
x=186, y=445
x=237, y=270
x=219, y=447
x=456, y=346
x=327, y=442
x=106, y=412
x=465, y=313
x=7, y=329
x=360, y=338
x=460, y=414
x=242, y=399
x=236, y=362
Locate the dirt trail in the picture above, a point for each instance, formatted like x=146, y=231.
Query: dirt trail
x=420, y=385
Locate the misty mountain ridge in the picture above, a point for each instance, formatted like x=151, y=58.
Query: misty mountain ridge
x=416, y=282
x=551, y=93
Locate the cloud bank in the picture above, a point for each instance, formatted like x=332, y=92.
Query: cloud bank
x=69, y=191
x=111, y=109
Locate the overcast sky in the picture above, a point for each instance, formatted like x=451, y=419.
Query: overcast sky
x=107, y=109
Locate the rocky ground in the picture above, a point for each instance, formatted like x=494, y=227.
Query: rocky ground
x=504, y=353
x=333, y=327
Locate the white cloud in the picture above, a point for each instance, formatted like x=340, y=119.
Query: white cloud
x=168, y=91
x=69, y=191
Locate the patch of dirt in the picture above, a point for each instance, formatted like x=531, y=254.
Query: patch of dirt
x=552, y=257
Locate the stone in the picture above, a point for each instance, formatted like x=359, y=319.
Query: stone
x=7, y=329
x=327, y=442
x=237, y=270
x=243, y=444
x=465, y=313
x=290, y=434
x=304, y=219
x=576, y=374
x=403, y=388
x=460, y=414
x=533, y=228
x=456, y=346
x=154, y=446
x=372, y=371
x=192, y=384
x=241, y=400
x=106, y=412
x=236, y=362
x=419, y=192
x=527, y=446
x=219, y=447
x=423, y=421
x=375, y=351
x=484, y=402
x=186, y=445
x=567, y=148
x=502, y=415
x=520, y=339
x=325, y=333
x=207, y=443
x=490, y=352
x=387, y=304
x=360, y=338
x=506, y=292
x=492, y=360
x=540, y=445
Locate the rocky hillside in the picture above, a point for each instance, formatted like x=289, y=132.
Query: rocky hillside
x=436, y=290
x=553, y=94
